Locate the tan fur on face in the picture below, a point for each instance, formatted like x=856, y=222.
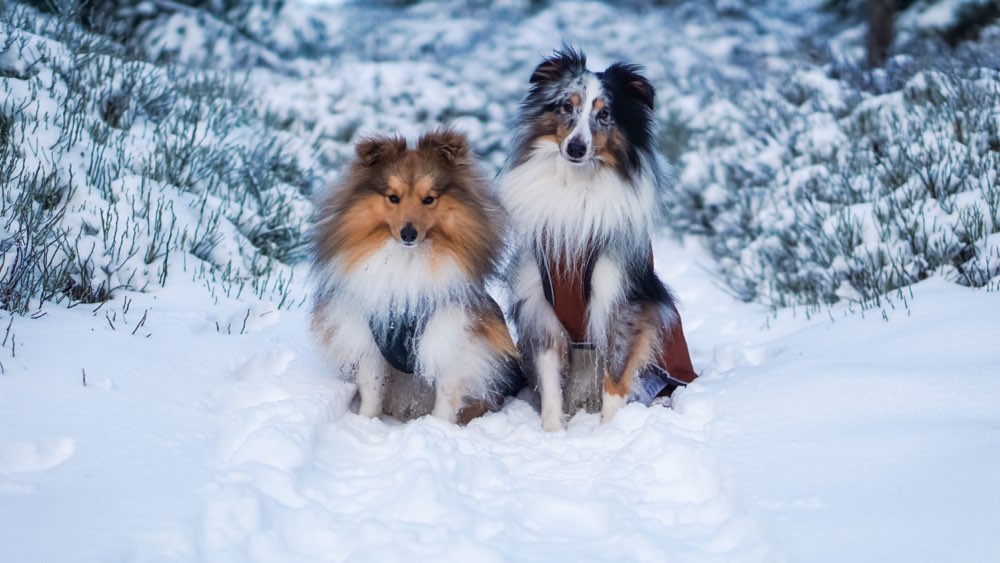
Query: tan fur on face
x=545, y=129
x=608, y=145
x=355, y=235
x=563, y=131
x=462, y=221
x=412, y=188
x=549, y=128
x=557, y=134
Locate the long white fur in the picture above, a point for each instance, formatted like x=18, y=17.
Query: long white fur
x=397, y=279
x=457, y=361
x=565, y=206
x=400, y=279
x=610, y=404
x=536, y=311
x=371, y=378
x=352, y=348
x=606, y=294
x=549, y=369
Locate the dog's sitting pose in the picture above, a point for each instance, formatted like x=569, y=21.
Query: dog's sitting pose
x=403, y=248
x=580, y=187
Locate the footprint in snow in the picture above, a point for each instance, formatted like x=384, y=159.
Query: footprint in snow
x=39, y=455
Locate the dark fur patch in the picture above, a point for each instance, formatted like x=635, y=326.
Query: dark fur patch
x=398, y=340
x=564, y=62
x=448, y=144
x=632, y=98
x=644, y=286
x=379, y=148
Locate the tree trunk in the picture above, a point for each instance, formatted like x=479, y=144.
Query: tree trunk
x=880, y=13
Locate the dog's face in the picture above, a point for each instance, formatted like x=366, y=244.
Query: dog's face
x=603, y=117
x=430, y=198
x=410, y=205
x=414, y=193
x=583, y=121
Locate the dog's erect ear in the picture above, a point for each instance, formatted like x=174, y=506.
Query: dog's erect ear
x=449, y=144
x=561, y=63
x=379, y=149
x=634, y=83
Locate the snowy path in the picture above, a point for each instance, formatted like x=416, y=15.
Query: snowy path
x=500, y=489
x=300, y=477
x=809, y=440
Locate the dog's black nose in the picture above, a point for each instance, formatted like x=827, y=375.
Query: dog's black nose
x=408, y=234
x=576, y=148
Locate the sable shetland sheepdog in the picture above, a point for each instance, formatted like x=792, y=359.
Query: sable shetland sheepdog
x=403, y=248
x=580, y=186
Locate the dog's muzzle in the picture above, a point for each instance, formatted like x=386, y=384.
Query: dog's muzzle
x=576, y=150
x=408, y=234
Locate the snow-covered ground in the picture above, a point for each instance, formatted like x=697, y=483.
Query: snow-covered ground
x=213, y=432
x=191, y=423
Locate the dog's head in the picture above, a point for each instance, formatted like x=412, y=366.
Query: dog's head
x=408, y=184
x=430, y=198
x=603, y=118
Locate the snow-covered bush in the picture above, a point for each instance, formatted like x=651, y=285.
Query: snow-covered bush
x=811, y=177
x=836, y=181
x=219, y=34
x=116, y=171
x=202, y=33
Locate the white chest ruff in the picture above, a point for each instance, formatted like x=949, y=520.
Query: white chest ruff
x=563, y=206
x=398, y=279
x=393, y=285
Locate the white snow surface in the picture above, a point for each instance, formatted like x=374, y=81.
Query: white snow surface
x=187, y=425
x=841, y=436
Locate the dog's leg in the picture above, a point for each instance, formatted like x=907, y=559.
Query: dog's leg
x=371, y=380
x=447, y=401
x=454, y=359
x=542, y=340
x=613, y=398
x=549, y=370
x=641, y=332
x=609, y=321
x=346, y=337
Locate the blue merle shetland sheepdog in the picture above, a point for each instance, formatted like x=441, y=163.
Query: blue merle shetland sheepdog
x=580, y=186
x=403, y=248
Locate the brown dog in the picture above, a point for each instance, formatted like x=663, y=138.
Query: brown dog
x=404, y=246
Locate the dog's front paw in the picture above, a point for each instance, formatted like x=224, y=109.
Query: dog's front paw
x=611, y=404
x=552, y=421
x=445, y=411
x=370, y=409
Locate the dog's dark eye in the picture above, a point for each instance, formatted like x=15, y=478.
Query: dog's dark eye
x=604, y=115
x=427, y=200
x=567, y=107
x=394, y=198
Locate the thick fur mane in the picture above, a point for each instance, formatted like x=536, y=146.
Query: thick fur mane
x=359, y=261
x=565, y=211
